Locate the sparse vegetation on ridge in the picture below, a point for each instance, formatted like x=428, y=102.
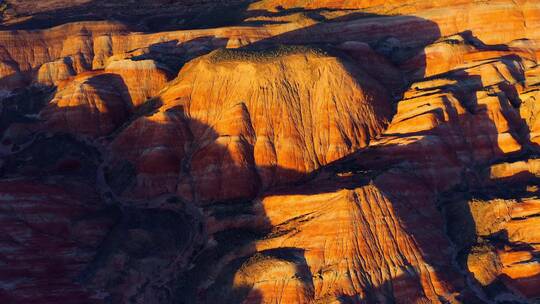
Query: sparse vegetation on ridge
x=265, y=54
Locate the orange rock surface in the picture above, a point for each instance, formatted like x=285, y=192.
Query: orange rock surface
x=256, y=119
x=143, y=79
x=271, y=151
x=91, y=105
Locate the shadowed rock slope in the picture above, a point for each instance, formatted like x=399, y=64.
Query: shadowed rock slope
x=286, y=152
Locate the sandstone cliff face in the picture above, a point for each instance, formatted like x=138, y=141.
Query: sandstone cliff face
x=326, y=152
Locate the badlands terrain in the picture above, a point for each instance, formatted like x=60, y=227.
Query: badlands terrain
x=269, y=151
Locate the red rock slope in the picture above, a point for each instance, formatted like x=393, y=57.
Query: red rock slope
x=300, y=152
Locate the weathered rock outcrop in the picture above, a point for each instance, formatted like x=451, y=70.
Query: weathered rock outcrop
x=329, y=152
x=256, y=119
x=143, y=78
x=329, y=237
x=92, y=105
x=96, y=103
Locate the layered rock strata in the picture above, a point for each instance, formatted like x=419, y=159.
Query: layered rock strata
x=327, y=152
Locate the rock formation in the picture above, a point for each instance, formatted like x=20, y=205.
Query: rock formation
x=269, y=151
x=269, y=117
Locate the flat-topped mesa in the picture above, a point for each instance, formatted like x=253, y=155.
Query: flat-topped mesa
x=265, y=117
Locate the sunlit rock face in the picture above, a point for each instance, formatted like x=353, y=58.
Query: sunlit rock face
x=88, y=105
x=269, y=151
x=240, y=122
x=143, y=79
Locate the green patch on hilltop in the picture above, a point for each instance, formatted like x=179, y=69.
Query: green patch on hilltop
x=262, y=55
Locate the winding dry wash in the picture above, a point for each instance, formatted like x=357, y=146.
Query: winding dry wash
x=269, y=151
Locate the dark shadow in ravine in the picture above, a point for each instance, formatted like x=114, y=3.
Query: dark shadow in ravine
x=21, y=104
